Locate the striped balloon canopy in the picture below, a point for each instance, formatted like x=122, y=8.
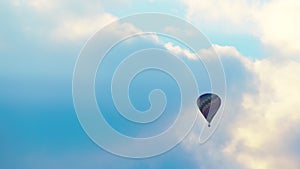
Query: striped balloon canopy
x=209, y=105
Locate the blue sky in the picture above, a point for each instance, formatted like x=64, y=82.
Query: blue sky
x=257, y=42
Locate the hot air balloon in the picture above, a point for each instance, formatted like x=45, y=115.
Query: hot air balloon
x=209, y=104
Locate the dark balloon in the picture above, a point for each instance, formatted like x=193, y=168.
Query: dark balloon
x=209, y=104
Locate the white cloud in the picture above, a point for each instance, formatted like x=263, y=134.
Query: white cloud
x=259, y=130
x=223, y=51
x=274, y=21
x=279, y=25
x=177, y=50
x=262, y=135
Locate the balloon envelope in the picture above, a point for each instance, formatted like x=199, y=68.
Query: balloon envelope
x=209, y=104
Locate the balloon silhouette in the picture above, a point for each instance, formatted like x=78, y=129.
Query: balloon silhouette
x=209, y=104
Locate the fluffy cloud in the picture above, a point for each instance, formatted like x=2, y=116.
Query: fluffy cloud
x=274, y=22
x=279, y=26
x=265, y=134
x=259, y=128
